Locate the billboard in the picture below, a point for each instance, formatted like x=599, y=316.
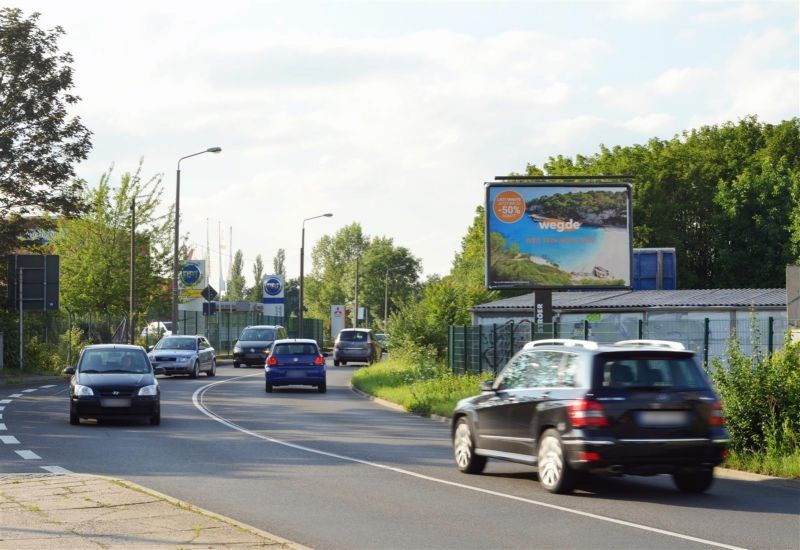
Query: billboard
x=192, y=278
x=558, y=236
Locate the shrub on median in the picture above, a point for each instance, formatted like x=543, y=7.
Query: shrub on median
x=419, y=382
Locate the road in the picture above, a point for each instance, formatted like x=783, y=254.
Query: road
x=335, y=470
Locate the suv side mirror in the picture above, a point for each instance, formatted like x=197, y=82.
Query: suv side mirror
x=69, y=370
x=487, y=385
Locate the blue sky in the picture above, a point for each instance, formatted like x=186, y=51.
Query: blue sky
x=393, y=114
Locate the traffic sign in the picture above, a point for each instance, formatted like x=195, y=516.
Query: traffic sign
x=209, y=293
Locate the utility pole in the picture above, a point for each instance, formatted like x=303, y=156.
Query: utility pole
x=131, y=303
x=355, y=319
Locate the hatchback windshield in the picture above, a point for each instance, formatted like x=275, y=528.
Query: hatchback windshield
x=177, y=343
x=114, y=361
x=652, y=373
x=352, y=336
x=258, y=334
x=295, y=349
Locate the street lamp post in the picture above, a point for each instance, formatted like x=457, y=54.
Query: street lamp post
x=302, y=260
x=175, y=262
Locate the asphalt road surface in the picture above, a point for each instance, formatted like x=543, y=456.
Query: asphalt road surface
x=336, y=470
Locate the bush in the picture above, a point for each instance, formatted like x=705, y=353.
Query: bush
x=761, y=400
x=419, y=382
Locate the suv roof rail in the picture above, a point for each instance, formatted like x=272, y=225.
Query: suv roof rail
x=587, y=344
x=652, y=344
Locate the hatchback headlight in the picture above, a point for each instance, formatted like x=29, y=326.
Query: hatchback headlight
x=83, y=391
x=151, y=390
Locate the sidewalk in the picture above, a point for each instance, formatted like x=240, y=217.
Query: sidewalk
x=57, y=511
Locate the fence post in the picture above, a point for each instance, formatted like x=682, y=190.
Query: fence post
x=706, y=324
x=450, y=347
x=494, y=349
x=770, y=330
x=641, y=329
x=585, y=329
x=480, y=348
x=466, y=349
x=555, y=329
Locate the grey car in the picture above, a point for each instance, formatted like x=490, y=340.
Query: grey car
x=185, y=354
x=355, y=345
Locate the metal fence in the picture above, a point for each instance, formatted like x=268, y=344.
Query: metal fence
x=486, y=348
x=45, y=332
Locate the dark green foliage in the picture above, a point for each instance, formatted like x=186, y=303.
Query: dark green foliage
x=761, y=400
x=39, y=141
x=727, y=197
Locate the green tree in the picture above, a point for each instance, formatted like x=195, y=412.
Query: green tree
x=279, y=263
x=40, y=141
x=95, y=249
x=712, y=193
x=258, y=274
x=236, y=283
x=469, y=264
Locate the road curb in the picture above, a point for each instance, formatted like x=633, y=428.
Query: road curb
x=191, y=507
x=395, y=406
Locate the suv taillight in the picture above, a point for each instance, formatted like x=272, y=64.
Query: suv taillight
x=272, y=361
x=717, y=417
x=585, y=413
x=319, y=360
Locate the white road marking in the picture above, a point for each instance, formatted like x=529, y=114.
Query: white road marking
x=3, y=427
x=197, y=400
x=56, y=469
x=2, y=407
x=15, y=395
x=48, y=386
x=1, y=416
x=29, y=391
x=9, y=440
x=28, y=455
x=5, y=401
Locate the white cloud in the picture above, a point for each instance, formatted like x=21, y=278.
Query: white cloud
x=681, y=80
x=745, y=12
x=564, y=134
x=652, y=124
x=645, y=10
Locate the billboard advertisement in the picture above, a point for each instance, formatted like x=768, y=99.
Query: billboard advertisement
x=558, y=236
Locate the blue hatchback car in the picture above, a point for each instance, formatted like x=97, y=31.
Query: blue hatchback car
x=295, y=362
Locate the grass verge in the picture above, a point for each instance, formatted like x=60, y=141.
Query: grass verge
x=424, y=388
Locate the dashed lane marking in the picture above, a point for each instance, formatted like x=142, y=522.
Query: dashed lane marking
x=9, y=440
x=13, y=395
x=29, y=391
x=56, y=469
x=197, y=399
x=48, y=386
x=3, y=427
x=28, y=455
x=5, y=401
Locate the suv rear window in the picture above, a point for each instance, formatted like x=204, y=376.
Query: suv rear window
x=258, y=334
x=295, y=349
x=352, y=336
x=651, y=372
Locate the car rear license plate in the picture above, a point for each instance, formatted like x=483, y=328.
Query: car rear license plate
x=663, y=419
x=115, y=402
x=296, y=373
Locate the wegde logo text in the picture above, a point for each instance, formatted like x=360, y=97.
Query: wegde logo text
x=559, y=225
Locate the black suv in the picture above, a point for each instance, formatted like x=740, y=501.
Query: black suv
x=640, y=407
x=254, y=344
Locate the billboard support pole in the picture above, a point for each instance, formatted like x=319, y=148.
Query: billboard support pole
x=543, y=309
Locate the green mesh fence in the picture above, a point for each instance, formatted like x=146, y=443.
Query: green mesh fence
x=487, y=347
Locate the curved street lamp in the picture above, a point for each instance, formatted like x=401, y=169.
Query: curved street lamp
x=302, y=258
x=175, y=262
